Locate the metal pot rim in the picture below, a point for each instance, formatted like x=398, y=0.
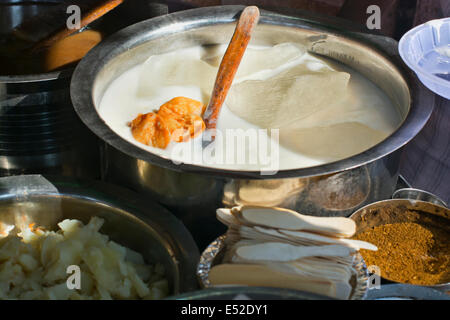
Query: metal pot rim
x=84, y=77
x=394, y=202
x=24, y=78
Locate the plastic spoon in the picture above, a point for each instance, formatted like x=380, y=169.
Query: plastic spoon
x=279, y=218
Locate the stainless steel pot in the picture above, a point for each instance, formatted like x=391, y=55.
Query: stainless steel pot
x=130, y=220
x=194, y=192
x=39, y=130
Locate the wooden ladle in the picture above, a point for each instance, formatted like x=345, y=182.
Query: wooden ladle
x=229, y=65
x=95, y=13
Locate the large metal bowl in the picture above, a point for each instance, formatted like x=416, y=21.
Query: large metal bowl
x=195, y=191
x=129, y=220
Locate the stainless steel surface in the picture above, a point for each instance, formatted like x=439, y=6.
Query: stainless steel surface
x=402, y=182
x=417, y=194
x=39, y=130
x=213, y=254
x=15, y=12
x=336, y=188
x=370, y=216
x=129, y=220
x=248, y=293
x=405, y=292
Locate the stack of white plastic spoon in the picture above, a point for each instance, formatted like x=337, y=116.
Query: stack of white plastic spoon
x=276, y=247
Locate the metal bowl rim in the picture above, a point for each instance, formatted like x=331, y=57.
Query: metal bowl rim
x=45, y=76
x=285, y=293
x=432, y=195
x=393, y=201
x=134, y=206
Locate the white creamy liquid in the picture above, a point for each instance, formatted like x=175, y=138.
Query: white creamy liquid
x=126, y=97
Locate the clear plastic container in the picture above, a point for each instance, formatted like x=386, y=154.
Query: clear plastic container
x=426, y=50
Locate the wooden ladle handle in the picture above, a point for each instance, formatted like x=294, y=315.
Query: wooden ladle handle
x=94, y=14
x=230, y=63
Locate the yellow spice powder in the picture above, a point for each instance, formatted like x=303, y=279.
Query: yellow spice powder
x=409, y=253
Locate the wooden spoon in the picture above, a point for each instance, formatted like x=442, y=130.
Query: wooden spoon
x=94, y=14
x=229, y=65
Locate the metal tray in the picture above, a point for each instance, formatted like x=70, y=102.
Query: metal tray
x=212, y=255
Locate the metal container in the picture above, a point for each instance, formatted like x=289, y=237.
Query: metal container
x=193, y=192
x=417, y=194
x=370, y=216
x=39, y=130
x=406, y=292
x=15, y=12
x=249, y=293
x=130, y=220
x=213, y=255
